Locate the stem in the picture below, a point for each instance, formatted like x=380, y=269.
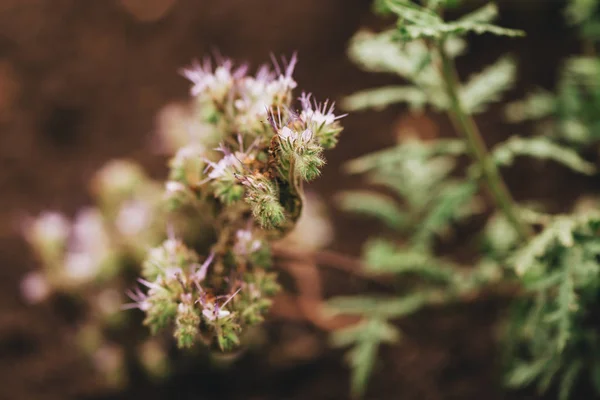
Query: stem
x=465, y=124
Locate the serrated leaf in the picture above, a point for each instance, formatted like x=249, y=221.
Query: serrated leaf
x=384, y=257
x=373, y=204
x=541, y=148
x=445, y=210
x=488, y=86
x=367, y=336
x=413, y=12
x=485, y=14
x=442, y=30
x=525, y=372
x=383, y=308
x=536, y=105
x=382, y=97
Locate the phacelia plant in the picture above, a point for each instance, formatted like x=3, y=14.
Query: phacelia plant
x=549, y=263
x=240, y=153
x=245, y=181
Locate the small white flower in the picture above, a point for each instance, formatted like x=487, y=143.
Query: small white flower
x=245, y=243
x=49, y=227
x=81, y=267
x=219, y=169
x=133, y=218
x=287, y=134
x=214, y=314
x=317, y=114
x=140, y=300
x=294, y=137
x=35, y=287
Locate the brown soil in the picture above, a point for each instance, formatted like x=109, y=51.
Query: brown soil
x=80, y=83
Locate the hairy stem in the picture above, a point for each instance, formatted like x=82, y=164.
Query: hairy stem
x=465, y=124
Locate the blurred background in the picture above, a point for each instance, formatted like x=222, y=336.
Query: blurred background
x=82, y=82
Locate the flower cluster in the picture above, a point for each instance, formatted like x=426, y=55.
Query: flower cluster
x=244, y=178
x=88, y=259
x=238, y=157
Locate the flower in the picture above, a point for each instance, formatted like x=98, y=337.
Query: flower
x=215, y=84
x=35, y=287
x=293, y=136
x=133, y=218
x=245, y=243
x=315, y=113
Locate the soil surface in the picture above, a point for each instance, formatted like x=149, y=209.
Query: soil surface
x=81, y=83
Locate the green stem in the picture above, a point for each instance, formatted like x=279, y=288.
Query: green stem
x=465, y=124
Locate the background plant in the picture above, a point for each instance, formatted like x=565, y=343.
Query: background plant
x=548, y=264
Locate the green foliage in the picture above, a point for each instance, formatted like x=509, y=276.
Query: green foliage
x=549, y=329
x=416, y=22
x=541, y=148
x=373, y=204
x=585, y=15
x=549, y=263
x=399, y=52
x=366, y=338
x=489, y=85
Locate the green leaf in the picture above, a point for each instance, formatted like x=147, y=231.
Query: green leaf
x=536, y=105
x=487, y=13
x=447, y=208
x=538, y=147
x=525, y=373
x=373, y=204
x=413, y=13
x=369, y=306
x=367, y=336
x=382, y=97
x=578, y=11
x=568, y=379
x=488, y=86
x=382, y=256
x=390, y=158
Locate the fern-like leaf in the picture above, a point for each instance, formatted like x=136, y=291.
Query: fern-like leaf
x=536, y=105
x=487, y=86
x=541, y=148
x=381, y=256
x=365, y=337
x=382, y=97
x=372, y=204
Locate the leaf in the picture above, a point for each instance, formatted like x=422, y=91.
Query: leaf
x=525, y=373
x=383, y=308
x=383, y=53
x=366, y=337
x=384, y=257
x=488, y=86
x=446, y=209
x=413, y=13
x=409, y=150
x=536, y=105
x=537, y=247
x=566, y=297
x=382, y=97
x=538, y=147
x=487, y=13
x=373, y=204
x=578, y=11
x=568, y=379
